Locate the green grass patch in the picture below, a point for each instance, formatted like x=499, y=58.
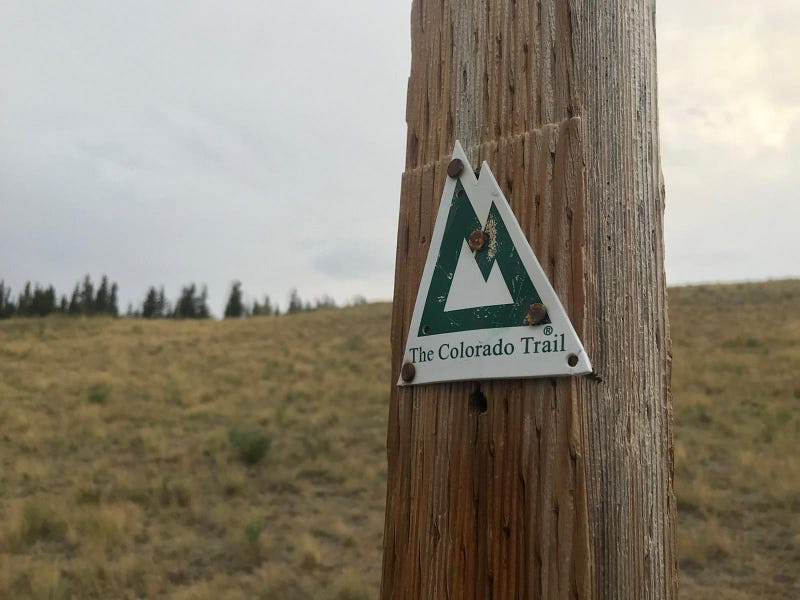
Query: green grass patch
x=251, y=445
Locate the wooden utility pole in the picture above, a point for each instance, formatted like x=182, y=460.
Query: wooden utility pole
x=540, y=488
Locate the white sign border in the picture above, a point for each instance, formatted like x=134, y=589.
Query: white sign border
x=482, y=192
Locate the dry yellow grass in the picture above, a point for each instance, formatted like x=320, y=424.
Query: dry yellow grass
x=120, y=478
x=736, y=391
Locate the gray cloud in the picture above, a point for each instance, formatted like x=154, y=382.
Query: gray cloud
x=353, y=261
x=730, y=115
x=168, y=142
x=162, y=143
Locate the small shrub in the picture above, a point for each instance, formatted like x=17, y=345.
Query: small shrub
x=253, y=530
x=88, y=495
x=40, y=524
x=174, y=493
x=252, y=445
x=98, y=393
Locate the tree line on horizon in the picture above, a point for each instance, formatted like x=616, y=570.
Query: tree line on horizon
x=39, y=301
x=192, y=303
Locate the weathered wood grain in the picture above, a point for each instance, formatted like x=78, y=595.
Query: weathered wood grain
x=562, y=488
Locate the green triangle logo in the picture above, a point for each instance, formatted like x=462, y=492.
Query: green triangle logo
x=497, y=253
x=485, y=308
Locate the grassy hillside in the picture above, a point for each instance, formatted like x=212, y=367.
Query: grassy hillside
x=120, y=480
x=246, y=459
x=736, y=394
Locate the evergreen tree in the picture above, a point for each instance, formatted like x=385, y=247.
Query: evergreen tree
x=162, y=305
x=75, y=301
x=191, y=305
x=43, y=301
x=295, y=303
x=37, y=304
x=326, y=302
x=7, y=307
x=150, y=309
x=63, y=306
x=155, y=305
x=184, y=307
x=201, y=307
x=25, y=301
x=113, y=307
x=264, y=309
x=235, y=307
x=101, y=300
x=51, y=299
x=36, y=301
x=87, y=296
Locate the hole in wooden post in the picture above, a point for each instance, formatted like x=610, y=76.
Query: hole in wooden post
x=477, y=402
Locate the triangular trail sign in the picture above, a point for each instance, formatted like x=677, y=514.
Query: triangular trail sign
x=485, y=308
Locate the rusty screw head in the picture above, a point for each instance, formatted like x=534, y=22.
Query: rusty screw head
x=455, y=167
x=408, y=371
x=572, y=360
x=478, y=239
x=536, y=313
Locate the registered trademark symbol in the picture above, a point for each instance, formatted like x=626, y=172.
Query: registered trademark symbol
x=548, y=330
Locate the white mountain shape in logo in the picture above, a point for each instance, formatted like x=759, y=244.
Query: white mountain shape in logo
x=470, y=290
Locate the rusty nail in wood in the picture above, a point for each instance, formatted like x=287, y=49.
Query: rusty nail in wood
x=478, y=239
x=455, y=167
x=572, y=360
x=536, y=313
x=408, y=371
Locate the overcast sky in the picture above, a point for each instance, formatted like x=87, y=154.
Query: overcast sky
x=166, y=142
